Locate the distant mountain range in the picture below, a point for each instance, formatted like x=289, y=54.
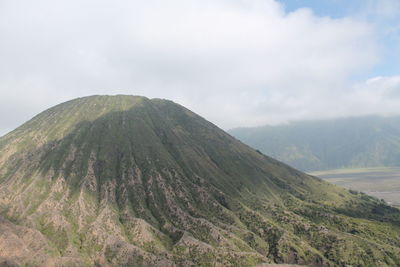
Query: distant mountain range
x=369, y=141
x=132, y=181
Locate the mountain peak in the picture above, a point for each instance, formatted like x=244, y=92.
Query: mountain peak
x=58, y=121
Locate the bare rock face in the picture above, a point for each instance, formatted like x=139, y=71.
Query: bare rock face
x=129, y=181
x=19, y=244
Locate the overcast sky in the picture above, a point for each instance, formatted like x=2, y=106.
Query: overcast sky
x=235, y=62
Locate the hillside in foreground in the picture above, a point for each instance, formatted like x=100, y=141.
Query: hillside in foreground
x=131, y=181
x=358, y=142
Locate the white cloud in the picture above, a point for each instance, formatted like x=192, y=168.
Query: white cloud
x=379, y=95
x=237, y=63
x=383, y=8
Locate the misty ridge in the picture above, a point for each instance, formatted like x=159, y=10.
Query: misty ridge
x=316, y=145
x=245, y=133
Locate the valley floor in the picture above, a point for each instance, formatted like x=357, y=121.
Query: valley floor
x=383, y=183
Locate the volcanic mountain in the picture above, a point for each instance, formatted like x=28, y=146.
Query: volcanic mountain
x=132, y=181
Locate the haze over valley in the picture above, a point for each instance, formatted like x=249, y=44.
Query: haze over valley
x=359, y=153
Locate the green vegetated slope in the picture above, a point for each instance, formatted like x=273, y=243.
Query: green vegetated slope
x=131, y=181
x=370, y=141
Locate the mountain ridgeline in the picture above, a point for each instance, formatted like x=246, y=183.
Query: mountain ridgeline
x=132, y=181
x=369, y=141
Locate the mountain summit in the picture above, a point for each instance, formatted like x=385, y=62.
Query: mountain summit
x=132, y=181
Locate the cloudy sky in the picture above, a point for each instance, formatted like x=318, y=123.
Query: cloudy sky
x=235, y=62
